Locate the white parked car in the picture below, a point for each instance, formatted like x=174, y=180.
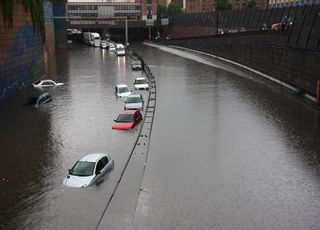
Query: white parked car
x=122, y=90
x=112, y=47
x=104, y=44
x=134, y=101
x=88, y=170
x=120, y=50
x=46, y=83
x=136, y=65
x=141, y=83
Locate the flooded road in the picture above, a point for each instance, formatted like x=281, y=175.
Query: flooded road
x=228, y=151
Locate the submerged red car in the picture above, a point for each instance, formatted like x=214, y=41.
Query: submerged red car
x=127, y=120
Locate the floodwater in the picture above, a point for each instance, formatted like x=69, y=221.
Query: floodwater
x=227, y=150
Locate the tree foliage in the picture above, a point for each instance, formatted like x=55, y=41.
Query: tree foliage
x=251, y=3
x=161, y=9
x=174, y=8
x=35, y=7
x=224, y=5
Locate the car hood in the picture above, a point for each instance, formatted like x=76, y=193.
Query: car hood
x=124, y=94
x=133, y=105
x=78, y=181
x=122, y=126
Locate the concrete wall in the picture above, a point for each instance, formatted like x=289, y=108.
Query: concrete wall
x=292, y=56
x=266, y=51
x=22, y=54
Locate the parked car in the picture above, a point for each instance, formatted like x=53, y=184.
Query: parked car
x=38, y=99
x=136, y=65
x=120, y=50
x=122, y=90
x=88, y=170
x=46, y=83
x=134, y=101
x=103, y=45
x=141, y=83
x=112, y=47
x=128, y=119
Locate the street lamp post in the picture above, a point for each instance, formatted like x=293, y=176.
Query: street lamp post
x=126, y=31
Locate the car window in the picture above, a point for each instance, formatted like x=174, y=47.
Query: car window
x=141, y=81
x=133, y=100
x=82, y=168
x=125, y=118
x=124, y=90
x=48, y=83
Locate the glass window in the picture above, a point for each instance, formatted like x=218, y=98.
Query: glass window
x=125, y=118
x=82, y=168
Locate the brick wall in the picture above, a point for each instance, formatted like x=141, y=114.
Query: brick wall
x=22, y=54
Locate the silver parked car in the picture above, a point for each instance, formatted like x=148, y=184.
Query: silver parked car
x=134, y=101
x=136, y=65
x=88, y=170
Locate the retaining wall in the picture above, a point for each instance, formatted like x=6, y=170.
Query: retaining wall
x=22, y=53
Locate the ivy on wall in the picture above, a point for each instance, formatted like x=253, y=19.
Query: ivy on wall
x=35, y=7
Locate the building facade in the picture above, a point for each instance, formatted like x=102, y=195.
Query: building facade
x=196, y=6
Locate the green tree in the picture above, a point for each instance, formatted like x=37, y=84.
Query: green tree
x=174, y=8
x=251, y=3
x=161, y=9
x=224, y=5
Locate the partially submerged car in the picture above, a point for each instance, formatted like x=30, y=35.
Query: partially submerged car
x=136, y=65
x=122, y=90
x=141, y=83
x=134, y=101
x=38, y=99
x=128, y=119
x=46, y=83
x=89, y=170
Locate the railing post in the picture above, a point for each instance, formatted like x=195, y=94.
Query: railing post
x=318, y=91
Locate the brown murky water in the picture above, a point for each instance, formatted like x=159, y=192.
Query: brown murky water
x=227, y=151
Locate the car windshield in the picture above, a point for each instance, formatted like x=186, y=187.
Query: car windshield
x=136, y=63
x=141, y=81
x=124, y=90
x=120, y=49
x=125, y=118
x=133, y=100
x=82, y=168
x=37, y=82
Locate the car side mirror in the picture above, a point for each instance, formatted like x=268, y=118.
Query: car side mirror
x=98, y=173
x=115, y=120
x=130, y=90
x=70, y=171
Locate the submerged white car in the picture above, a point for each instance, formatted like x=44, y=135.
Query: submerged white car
x=141, y=83
x=46, y=83
x=122, y=90
x=134, y=101
x=88, y=170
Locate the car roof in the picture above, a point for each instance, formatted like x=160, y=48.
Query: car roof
x=93, y=157
x=129, y=111
x=140, y=78
x=122, y=85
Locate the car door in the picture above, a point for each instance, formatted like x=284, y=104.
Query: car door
x=99, y=170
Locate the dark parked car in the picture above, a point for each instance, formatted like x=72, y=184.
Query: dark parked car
x=38, y=99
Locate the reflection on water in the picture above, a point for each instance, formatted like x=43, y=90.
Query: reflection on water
x=39, y=145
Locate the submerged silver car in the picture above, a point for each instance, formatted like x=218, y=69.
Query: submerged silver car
x=134, y=101
x=88, y=170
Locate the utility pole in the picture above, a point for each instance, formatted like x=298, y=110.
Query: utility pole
x=126, y=31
